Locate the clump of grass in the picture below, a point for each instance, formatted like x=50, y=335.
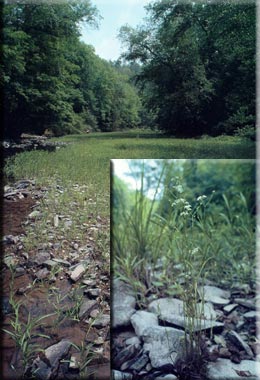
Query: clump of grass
x=24, y=332
x=193, y=241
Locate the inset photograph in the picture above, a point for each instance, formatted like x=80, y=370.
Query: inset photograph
x=184, y=269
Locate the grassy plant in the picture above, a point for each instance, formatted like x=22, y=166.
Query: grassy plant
x=23, y=332
x=193, y=241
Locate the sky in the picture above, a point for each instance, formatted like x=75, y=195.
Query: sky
x=115, y=13
x=122, y=170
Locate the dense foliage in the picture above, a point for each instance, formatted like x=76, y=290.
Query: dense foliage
x=198, y=210
x=53, y=81
x=198, y=65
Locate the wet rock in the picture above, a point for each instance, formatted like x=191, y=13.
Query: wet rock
x=215, y=295
x=142, y=320
x=164, y=344
x=86, y=307
x=238, y=341
x=77, y=273
x=123, y=304
x=102, y=321
x=224, y=369
x=171, y=310
x=118, y=375
x=46, y=365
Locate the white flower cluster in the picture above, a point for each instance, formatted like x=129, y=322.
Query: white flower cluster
x=186, y=206
x=201, y=197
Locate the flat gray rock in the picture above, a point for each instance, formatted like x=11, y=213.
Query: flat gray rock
x=141, y=320
x=86, y=307
x=47, y=367
x=123, y=304
x=236, y=339
x=171, y=310
x=215, y=295
x=118, y=375
x=165, y=345
x=102, y=321
x=224, y=369
x=250, y=304
x=77, y=273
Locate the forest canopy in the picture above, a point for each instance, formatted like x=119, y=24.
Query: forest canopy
x=188, y=70
x=54, y=81
x=198, y=65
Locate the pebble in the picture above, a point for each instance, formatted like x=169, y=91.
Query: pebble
x=77, y=273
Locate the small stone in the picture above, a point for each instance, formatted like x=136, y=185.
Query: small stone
x=78, y=272
x=134, y=340
x=236, y=339
x=42, y=274
x=118, y=375
x=229, y=308
x=74, y=362
x=92, y=293
x=166, y=377
x=102, y=321
x=89, y=282
x=46, y=366
x=215, y=295
x=24, y=289
x=25, y=255
x=246, y=303
x=41, y=257
x=250, y=315
x=10, y=261
x=62, y=262
x=34, y=214
x=86, y=307
x=94, y=313
x=19, y=271
x=49, y=264
x=10, y=239
x=99, y=341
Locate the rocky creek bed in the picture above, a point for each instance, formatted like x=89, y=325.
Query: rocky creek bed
x=65, y=279
x=148, y=343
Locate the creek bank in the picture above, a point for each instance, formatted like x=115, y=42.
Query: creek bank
x=54, y=279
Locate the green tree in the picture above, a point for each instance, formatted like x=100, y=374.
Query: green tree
x=38, y=74
x=199, y=62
